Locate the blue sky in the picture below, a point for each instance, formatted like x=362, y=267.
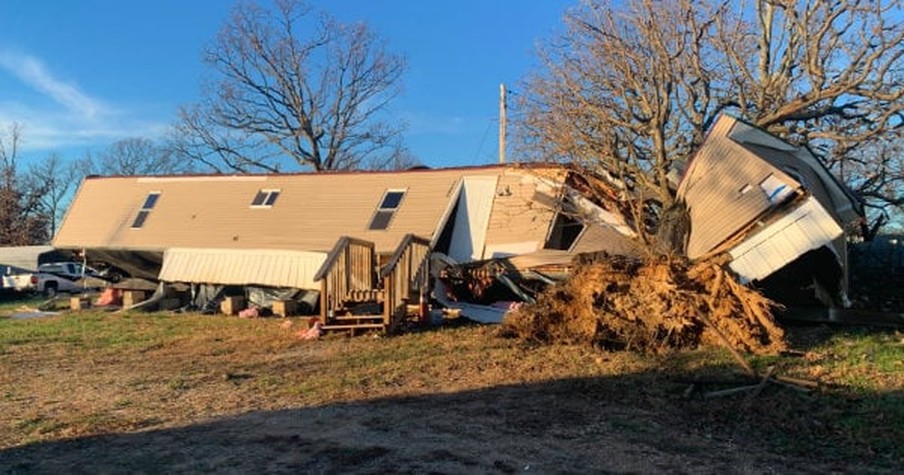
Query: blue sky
x=80, y=74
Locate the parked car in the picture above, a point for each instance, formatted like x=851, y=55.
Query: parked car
x=56, y=277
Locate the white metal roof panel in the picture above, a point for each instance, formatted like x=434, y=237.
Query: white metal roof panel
x=275, y=268
x=806, y=228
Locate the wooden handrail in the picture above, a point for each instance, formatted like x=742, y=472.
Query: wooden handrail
x=349, y=267
x=405, y=273
x=400, y=251
x=338, y=248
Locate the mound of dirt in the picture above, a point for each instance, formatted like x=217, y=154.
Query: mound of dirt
x=623, y=303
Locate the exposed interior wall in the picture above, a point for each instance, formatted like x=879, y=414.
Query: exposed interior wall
x=523, y=211
x=472, y=217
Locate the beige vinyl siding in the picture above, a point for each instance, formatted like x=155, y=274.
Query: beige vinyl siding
x=813, y=181
x=518, y=215
x=713, y=184
x=311, y=213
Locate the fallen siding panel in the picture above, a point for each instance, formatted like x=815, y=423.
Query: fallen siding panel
x=275, y=268
x=806, y=228
x=600, y=237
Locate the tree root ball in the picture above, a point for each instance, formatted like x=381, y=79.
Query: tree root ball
x=623, y=303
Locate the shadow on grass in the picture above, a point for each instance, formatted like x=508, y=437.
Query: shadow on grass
x=636, y=422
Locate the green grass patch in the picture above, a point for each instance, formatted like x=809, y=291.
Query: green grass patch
x=178, y=369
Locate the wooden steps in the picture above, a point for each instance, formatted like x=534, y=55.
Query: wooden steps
x=352, y=282
x=353, y=323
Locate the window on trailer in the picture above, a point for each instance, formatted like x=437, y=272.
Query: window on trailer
x=149, y=203
x=387, y=208
x=265, y=199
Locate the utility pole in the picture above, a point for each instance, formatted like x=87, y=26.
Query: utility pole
x=502, y=123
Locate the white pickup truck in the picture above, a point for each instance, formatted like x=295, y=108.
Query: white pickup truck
x=56, y=277
x=17, y=282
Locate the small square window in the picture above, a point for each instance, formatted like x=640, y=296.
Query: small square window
x=140, y=219
x=150, y=201
x=775, y=189
x=381, y=220
x=264, y=198
x=259, y=198
x=392, y=200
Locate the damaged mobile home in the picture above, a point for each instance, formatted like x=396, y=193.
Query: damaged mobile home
x=353, y=237
x=365, y=248
x=780, y=214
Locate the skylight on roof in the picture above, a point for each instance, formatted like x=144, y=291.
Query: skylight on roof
x=265, y=198
x=149, y=202
x=387, y=208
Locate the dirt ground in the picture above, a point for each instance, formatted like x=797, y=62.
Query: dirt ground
x=251, y=400
x=555, y=428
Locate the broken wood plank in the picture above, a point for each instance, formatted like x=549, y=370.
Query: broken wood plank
x=759, y=387
x=360, y=326
x=352, y=318
x=710, y=303
x=729, y=392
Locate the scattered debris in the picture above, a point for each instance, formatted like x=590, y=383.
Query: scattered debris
x=25, y=313
x=486, y=291
x=312, y=333
x=110, y=296
x=250, y=312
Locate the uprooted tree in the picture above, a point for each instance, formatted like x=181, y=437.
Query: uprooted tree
x=293, y=83
x=628, y=93
x=631, y=88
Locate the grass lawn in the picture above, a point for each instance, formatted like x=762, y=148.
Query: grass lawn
x=178, y=390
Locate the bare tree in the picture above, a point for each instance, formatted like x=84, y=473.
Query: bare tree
x=631, y=88
x=830, y=74
x=22, y=220
x=138, y=156
x=56, y=180
x=197, y=138
x=316, y=99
